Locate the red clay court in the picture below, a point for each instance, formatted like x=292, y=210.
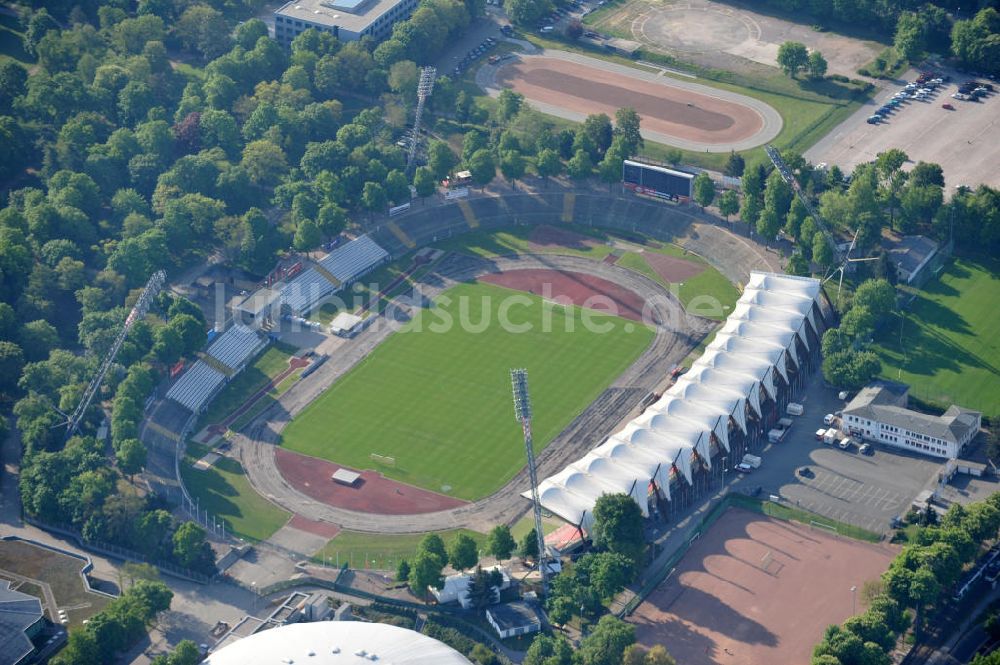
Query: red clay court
x=672, y=269
x=663, y=108
x=721, y=606
x=372, y=493
x=575, y=287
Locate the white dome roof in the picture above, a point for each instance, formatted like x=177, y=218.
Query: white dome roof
x=337, y=643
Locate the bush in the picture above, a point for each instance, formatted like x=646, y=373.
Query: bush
x=839, y=78
x=864, y=71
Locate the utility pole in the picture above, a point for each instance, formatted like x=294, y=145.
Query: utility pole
x=522, y=411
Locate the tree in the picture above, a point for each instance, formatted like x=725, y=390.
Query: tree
x=190, y=547
x=397, y=188
x=792, y=56
x=500, y=543
x=606, y=644
x=482, y=167
x=425, y=572
x=37, y=338
x=704, y=190
x=307, y=236
x=432, y=543
x=264, y=162
x=545, y=650
x=508, y=105
x=851, y=370
x=821, y=252
x=463, y=552
x=580, y=166
x=131, y=457
x=482, y=655
x=618, y=526
x=729, y=203
x=373, y=197
x=424, y=182
x=203, y=30
x=627, y=126
x=527, y=12
x=816, y=65
x=797, y=265
x=512, y=165
x=403, y=571
x=560, y=610
x=548, y=163
x=909, y=40
x=597, y=128
x=440, y=159
x=877, y=296
x=528, y=547
x=11, y=363
x=768, y=223
x=735, y=165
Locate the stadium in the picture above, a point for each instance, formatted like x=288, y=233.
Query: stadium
x=454, y=458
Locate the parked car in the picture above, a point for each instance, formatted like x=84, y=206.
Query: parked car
x=806, y=472
x=873, y=119
x=866, y=449
x=948, y=107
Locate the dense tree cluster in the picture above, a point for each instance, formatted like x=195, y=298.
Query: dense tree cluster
x=926, y=567
x=846, y=361
x=117, y=627
x=916, y=27
x=609, y=642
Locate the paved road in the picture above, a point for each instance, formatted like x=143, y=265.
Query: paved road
x=772, y=121
x=674, y=340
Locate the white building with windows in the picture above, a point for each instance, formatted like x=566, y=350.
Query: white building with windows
x=347, y=20
x=879, y=413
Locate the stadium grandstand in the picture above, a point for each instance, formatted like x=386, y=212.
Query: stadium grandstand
x=335, y=271
x=225, y=358
x=720, y=408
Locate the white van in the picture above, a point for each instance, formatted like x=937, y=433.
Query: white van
x=546, y=29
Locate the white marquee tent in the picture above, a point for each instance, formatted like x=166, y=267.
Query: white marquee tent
x=660, y=444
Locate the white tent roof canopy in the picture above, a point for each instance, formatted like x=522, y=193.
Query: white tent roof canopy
x=758, y=336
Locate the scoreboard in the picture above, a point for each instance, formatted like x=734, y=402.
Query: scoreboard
x=656, y=181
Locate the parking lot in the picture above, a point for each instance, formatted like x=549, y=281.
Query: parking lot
x=844, y=485
x=962, y=140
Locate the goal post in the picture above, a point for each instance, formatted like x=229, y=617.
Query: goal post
x=384, y=460
x=830, y=528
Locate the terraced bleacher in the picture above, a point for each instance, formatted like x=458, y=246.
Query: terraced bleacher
x=344, y=265
x=232, y=350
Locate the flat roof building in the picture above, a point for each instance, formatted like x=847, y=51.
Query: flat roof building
x=879, y=413
x=347, y=20
x=512, y=619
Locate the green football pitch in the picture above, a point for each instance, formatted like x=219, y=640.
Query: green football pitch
x=438, y=398
x=947, y=348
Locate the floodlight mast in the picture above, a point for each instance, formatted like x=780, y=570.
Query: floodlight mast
x=139, y=310
x=424, y=88
x=522, y=411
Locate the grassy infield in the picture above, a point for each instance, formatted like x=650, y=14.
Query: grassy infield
x=439, y=454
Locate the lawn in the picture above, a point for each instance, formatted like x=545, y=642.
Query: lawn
x=437, y=396
x=60, y=571
x=698, y=294
x=947, y=348
x=263, y=370
x=224, y=490
x=360, y=550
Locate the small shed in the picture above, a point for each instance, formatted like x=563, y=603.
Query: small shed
x=261, y=304
x=511, y=619
x=345, y=324
x=345, y=477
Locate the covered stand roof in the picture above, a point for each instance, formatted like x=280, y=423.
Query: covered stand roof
x=661, y=443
